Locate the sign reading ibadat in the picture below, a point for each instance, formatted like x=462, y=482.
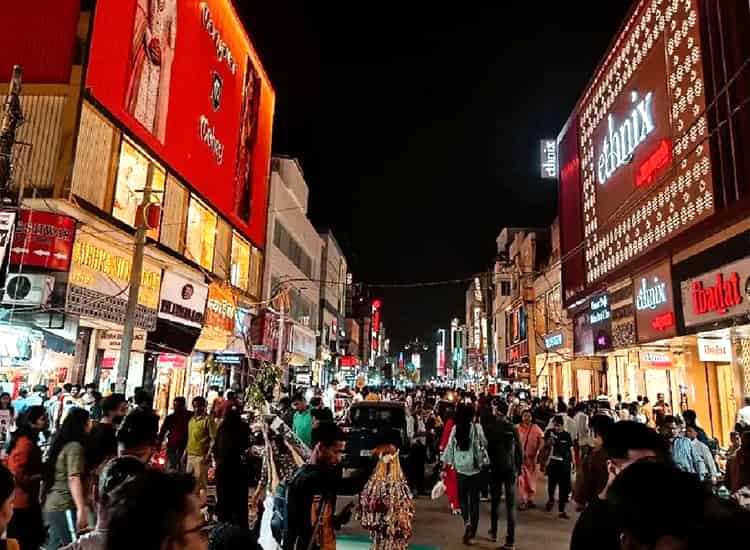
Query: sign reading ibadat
x=183, y=77
x=717, y=294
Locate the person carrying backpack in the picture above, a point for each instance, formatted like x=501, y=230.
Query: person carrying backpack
x=506, y=457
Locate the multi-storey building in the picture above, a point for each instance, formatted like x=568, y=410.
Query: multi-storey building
x=654, y=201
x=293, y=268
x=112, y=118
x=333, y=270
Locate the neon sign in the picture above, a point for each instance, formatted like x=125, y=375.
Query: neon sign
x=720, y=297
x=649, y=297
x=554, y=340
x=599, y=310
x=663, y=322
x=622, y=141
x=659, y=158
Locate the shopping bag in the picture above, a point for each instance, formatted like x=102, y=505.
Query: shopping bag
x=438, y=490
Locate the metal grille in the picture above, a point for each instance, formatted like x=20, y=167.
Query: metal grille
x=744, y=359
x=91, y=303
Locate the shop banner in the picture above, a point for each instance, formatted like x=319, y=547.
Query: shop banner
x=99, y=280
x=7, y=224
x=171, y=360
x=716, y=350
x=182, y=300
x=183, y=77
x=600, y=320
x=656, y=359
x=43, y=240
x=218, y=324
x=653, y=302
x=112, y=340
x=718, y=294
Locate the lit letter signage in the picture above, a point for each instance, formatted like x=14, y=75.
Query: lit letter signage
x=599, y=310
x=720, y=297
x=549, y=159
x=623, y=139
x=651, y=296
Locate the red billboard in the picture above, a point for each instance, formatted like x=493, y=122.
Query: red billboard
x=43, y=240
x=183, y=77
x=39, y=35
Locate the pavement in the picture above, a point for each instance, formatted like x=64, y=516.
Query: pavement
x=434, y=526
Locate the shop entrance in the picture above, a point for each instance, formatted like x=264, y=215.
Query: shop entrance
x=584, y=383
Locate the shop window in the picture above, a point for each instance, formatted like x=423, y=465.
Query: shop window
x=133, y=172
x=504, y=288
x=240, y=266
x=256, y=272
x=200, y=237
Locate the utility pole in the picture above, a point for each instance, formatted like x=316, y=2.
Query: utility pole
x=280, y=351
x=134, y=287
x=12, y=118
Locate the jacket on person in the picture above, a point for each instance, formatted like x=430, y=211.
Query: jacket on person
x=465, y=461
x=503, y=446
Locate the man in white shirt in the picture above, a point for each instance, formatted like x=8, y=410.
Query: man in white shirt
x=582, y=439
x=743, y=415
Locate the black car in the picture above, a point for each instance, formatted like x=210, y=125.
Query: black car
x=368, y=424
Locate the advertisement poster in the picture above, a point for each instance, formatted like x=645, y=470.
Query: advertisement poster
x=183, y=77
x=43, y=240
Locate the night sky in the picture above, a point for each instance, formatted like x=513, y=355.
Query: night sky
x=418, y=128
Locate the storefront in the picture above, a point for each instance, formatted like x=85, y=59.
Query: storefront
x=97, y=293
x=714, y=307
x=554, y=374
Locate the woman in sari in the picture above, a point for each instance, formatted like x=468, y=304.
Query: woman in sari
x=449, y=474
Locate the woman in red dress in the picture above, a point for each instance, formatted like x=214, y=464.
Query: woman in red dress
x=449, y=474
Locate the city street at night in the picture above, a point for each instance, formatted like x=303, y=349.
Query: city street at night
x=299, y=275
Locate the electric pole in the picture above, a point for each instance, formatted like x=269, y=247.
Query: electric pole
x=12, y=118
x=134, y=287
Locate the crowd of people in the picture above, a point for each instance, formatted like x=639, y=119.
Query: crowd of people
x=88, y=472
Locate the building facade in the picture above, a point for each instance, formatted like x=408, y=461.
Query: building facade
x=293, y=264
x=194, y=133
x=654, y=198
x=333, y=270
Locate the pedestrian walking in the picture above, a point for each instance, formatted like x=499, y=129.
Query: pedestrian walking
x=310, y=512
x=101, y=443
x=65, y=506
x=558, y=468
x=25, y=463
x=711, y=472
x=416, y=432
x=463, y=451
x=684, y=454
x=592, y=475
x=506, y=457
x=743, y=414
x=201, y=434
x=532, y=441
x=449, y=472
x=302, y=420
x=738, y=466
x=232, y=475
x=174, y=433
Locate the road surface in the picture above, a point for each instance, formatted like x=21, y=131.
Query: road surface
x=434, y=526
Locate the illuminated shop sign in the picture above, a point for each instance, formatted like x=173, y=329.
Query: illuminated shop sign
x=717, y=295
x=656, y=359
x=622, y=139
x=549, y=159
x=554, y=340
x=599, y=310
x=717, y=350
x=654, y=303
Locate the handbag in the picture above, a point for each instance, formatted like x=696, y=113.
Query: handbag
x=481, y=456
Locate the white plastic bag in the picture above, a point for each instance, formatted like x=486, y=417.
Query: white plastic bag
x=438, y=490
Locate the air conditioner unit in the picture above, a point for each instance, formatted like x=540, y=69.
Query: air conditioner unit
x=31, y=289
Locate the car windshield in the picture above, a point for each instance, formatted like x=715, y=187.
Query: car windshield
x=378, y=416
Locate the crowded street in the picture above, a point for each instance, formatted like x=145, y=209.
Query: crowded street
x=297, y=275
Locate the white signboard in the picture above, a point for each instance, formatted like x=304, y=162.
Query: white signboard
x=112, y=340
x=549, y=159
x=182, y=301
x=717, y=350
